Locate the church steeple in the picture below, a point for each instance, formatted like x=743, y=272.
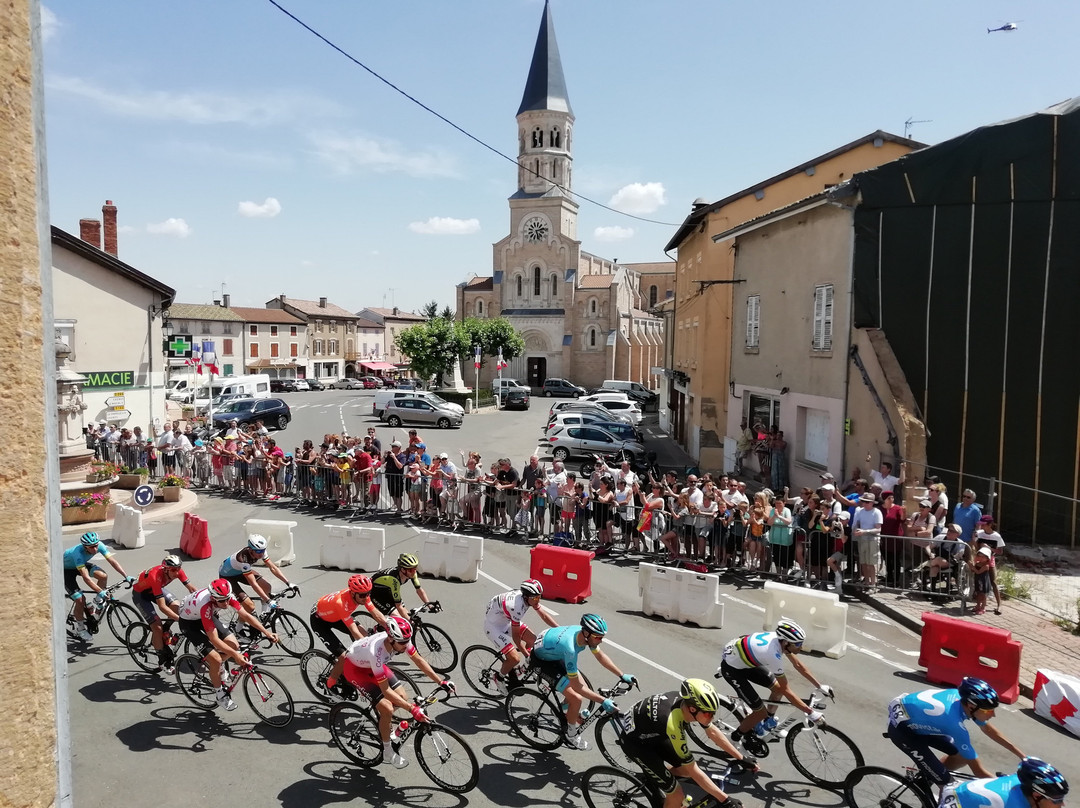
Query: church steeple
x=546, y=86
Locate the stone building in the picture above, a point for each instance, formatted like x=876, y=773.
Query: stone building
x=583, y=317
x=331, y=335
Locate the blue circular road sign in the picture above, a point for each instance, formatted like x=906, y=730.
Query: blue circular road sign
x=144, y=495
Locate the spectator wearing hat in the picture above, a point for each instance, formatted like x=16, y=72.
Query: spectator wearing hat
x=987, y=536
x=866, y=531
x=744, y=444
x=981, y=569
x=394, y=463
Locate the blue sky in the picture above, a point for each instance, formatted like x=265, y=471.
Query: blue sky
x=240, y=150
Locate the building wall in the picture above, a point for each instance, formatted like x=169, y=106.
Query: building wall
x=218, y=331
x=264, y=341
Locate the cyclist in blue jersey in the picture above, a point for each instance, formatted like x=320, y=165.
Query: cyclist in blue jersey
x=556, y=651
x=1034, y=783
x=921, y=722
x=77, y=566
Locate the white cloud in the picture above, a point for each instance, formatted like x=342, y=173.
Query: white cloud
x=50, y=24
x=170, y=227
x=613, y=233
x=253, y=210
x=198, y=108
x=446, y=226
x=347, y=154
x=639, y=198
x=125, y=228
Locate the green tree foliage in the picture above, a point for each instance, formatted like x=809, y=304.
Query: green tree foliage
x=492, y=334
x=433, y=347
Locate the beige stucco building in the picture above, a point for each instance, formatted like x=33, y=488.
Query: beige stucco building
x=331, y=335
x=700, y=370
x=380, y=327
x=208, y=322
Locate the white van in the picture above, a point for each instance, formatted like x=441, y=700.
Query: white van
x=383, y=396
x=180, y=388
x=637, y=392
x=500, y=386
x=231, y=387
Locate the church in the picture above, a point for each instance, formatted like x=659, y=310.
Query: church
x=583, y=318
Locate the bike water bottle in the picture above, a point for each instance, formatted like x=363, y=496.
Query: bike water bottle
x=395, y=733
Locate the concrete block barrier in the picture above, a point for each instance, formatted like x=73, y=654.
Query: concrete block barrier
x=451, y=555
x=348, y=547
x=279, y=538
x=821, y=614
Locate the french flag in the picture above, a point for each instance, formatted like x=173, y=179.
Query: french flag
x=501, y=363
x=209, y=358
x=196, y=357
x=476, y=358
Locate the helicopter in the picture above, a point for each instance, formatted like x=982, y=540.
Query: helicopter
x=1009, y=26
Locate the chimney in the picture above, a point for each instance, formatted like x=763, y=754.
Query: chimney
x=225, y=301
x=322, y=302
x=90, y=231
x=108, y=216
x=395, y=311
x=281, y=297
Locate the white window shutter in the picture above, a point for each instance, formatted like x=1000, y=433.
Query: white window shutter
x=826, y=331
x=823, y=314
x=753, y=320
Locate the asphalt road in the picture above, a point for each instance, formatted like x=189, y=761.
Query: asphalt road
x=135, y=736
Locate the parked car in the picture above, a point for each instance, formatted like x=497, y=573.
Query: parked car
x=283, y=386
x=601, y=394
x=408, y=384
x=302, y=385
x=370, y=382
x=383, y=396
x=499, y=387
x=567, y=406
x=515, y=399
x=273, y=412
x=586, y=441
x=625, y=408
x=348, y=384
x=619, y=429
x=315, y=384
x=561, y=387
x=400, y=411
x=637, y=392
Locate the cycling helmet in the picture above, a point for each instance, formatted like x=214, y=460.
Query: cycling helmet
x=257, y=543
x=407, y=561
x=172, y=562
x=594, y=624
x=220, y=589
x=532, y=588
x=199, y=443
x=790, y=631
x=360, y=584
x=398, y=628
x=701, y=694
x=978, y=693
x=1040, y=777
x=89, y=539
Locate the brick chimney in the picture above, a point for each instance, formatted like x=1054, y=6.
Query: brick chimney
x=108, y=216
x=90, y=231
x=322, y=302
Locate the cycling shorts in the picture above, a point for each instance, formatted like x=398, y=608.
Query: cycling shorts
x=193, y=630
x=742, y=681
x=145, y=603
x=363, y=679
x=325, y=629
x=72, y=578
x=237, y=581
x=920, y=748
x=652, y=765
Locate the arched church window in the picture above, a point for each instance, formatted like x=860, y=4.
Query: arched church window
x=592, y=307
x=652, y=296
x=536, y=281
x=555, y=138
x=538, y=138
x=519, y=291
x=479, y=308
x=592, y=337
x=554, y=286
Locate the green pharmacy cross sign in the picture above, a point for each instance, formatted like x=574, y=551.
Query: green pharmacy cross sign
x=178, y=346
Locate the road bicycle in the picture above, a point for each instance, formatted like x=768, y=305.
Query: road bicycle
x=118, y=616
x=441, y=752
x=294, y=636
x=536, y=716
x=432, y=642
x=613, y=787
x=139, y=641
x=481, y=665
x=821, y=753
x=265, y=694
x=878, y=787
x=315, y=667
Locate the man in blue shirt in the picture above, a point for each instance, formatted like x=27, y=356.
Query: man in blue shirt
x=967, y=514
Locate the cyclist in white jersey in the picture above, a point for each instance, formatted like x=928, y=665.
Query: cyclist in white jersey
x=505, y=630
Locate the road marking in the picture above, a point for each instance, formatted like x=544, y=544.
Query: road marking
x=878, y=656
x=742, y=602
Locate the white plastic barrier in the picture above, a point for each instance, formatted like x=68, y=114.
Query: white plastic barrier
x=450, y=555
x=279, y=538
x=821, y=614
x=1057, y=698
x=127, y=527
x=682, y=595
x=348, y=547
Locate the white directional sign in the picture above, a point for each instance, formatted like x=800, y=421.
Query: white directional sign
x=117, y=415
x=115, y=401
x=143, y=495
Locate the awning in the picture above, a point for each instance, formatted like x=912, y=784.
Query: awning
x=263, y=364
x=377, y=366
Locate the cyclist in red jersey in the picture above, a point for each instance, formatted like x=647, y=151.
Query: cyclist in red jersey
x=333, y=612
x=149, y=591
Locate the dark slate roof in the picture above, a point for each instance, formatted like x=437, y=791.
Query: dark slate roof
x=546, y=86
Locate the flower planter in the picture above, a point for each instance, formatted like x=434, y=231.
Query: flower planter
x=171, y=493
x=77, y=516
x=95, y=477
x=129, y=482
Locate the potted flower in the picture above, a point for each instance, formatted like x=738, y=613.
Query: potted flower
x=132, y=477
x=170, y=486
x=84, y=507
x=101, y=470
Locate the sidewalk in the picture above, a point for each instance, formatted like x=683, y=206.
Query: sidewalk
x=155, y=512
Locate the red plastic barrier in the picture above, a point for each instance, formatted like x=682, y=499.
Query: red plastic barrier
x=565, y=573
x=185, y=534
x=199, y=544
x=952, y=649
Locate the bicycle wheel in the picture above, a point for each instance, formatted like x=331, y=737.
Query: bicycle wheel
x=355, y=731
x=268, y=697
x=608, y=743
x=138, y=639
x=119, y=617
x=877, y=787
x=363, y=618
x=535, y=718
x=608, y=787
x=479, y=664
x=446, y=758
x=725, y=720
x=193, y=676
x=823, y=755
x=294, y=636
x=315, y=665
x=436, y=647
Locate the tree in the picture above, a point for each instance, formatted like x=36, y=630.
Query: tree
x=433, y=347
x=491, y=335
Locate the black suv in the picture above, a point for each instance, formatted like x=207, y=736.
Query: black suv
x=315, y=384
x=561, y=387
x=515, y=398
x=273, y=412
x=282, y=385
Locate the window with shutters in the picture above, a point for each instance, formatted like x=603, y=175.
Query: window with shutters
x=823, y=318
x=273, y=349
x=753, y=320
x=253, y=350
x=226, y=347
x=294, y=349
x=273, y=331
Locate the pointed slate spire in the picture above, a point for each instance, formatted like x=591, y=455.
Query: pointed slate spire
x=546, y=87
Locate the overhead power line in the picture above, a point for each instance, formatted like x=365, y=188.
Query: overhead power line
x=453, y=125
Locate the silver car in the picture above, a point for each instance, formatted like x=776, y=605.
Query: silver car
x=587, y=440
x=400, y=411
x=576, y=406
x=348, y=384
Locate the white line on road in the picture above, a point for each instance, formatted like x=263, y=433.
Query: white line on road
x=878, y=656
x=742, y=602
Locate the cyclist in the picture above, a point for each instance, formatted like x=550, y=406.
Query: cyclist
x=366, y=668
x=386, y=585
x=149, y=590
x=238, y=569
x=1035, y=782
x=201, y=623
x=934, y=719
x=77, y=565
x=556, y=651
x=758, y=659
x=654, y=737
x=504, y=629
x=333, y=612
